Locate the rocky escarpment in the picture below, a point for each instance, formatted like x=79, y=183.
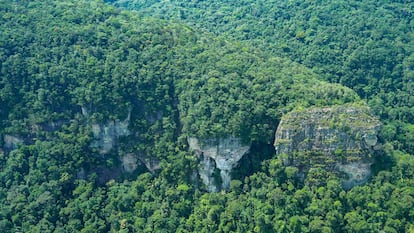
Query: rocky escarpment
x=106, y=138
x=11, y=142
x=220, y=155
x=131, y=161
x=340, y=139
x=106, y=135
x=34, y=132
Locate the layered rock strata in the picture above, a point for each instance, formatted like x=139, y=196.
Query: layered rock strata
x=341, y=139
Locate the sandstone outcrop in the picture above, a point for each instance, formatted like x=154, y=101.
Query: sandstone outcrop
x=106, y=135
x=221, y=154
x=341, y=139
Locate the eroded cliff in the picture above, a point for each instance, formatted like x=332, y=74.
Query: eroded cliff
x=221, y=154
x=340, y=139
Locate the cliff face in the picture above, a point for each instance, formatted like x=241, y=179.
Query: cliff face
x=106, y=135
x=105, y=139
x=35, y=131
x=340, y=139
x=131, y=161
x=221, y=154
x=11, y=142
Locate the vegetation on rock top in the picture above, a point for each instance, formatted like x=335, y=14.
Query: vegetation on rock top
x=59, y=59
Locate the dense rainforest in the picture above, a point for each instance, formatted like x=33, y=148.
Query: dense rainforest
x=367, y=46
x=98, y=104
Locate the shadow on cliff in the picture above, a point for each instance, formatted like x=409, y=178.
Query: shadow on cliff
x=252, y=161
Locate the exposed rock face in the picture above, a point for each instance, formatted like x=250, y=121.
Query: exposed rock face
x=36, y=131
x=358, y=173
x=206, y=172
x=151, y=163
x=223, y=154
x=340, y=139
x=106, y=136
x=51, y=126
x=131, y=161
x=11, y=142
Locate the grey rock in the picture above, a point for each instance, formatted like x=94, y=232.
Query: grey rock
x=106, y=135
x=341, y=139
x=151, y=163
x=11, y=142
x=129, y=163
x=223, y=154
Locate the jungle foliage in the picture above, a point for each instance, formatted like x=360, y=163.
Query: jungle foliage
x=65, y=65
x=364, y=45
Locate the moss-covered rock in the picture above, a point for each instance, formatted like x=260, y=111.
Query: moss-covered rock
x=333, y=138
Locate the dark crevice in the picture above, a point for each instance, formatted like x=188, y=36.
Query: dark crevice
x=251, y=162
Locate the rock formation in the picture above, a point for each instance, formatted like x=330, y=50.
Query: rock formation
x=11, y=142
x=106, y=135
x=131, y=161
x=106, y=138
x=340, y=139
x=221, y=154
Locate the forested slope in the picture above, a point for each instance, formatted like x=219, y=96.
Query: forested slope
x=69, y=68
x=367, y=46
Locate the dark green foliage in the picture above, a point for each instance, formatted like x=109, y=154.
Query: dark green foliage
x=66, y=65
x=366, y=46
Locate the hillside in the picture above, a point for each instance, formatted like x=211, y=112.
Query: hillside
x=367, y=46
x=113, y=121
